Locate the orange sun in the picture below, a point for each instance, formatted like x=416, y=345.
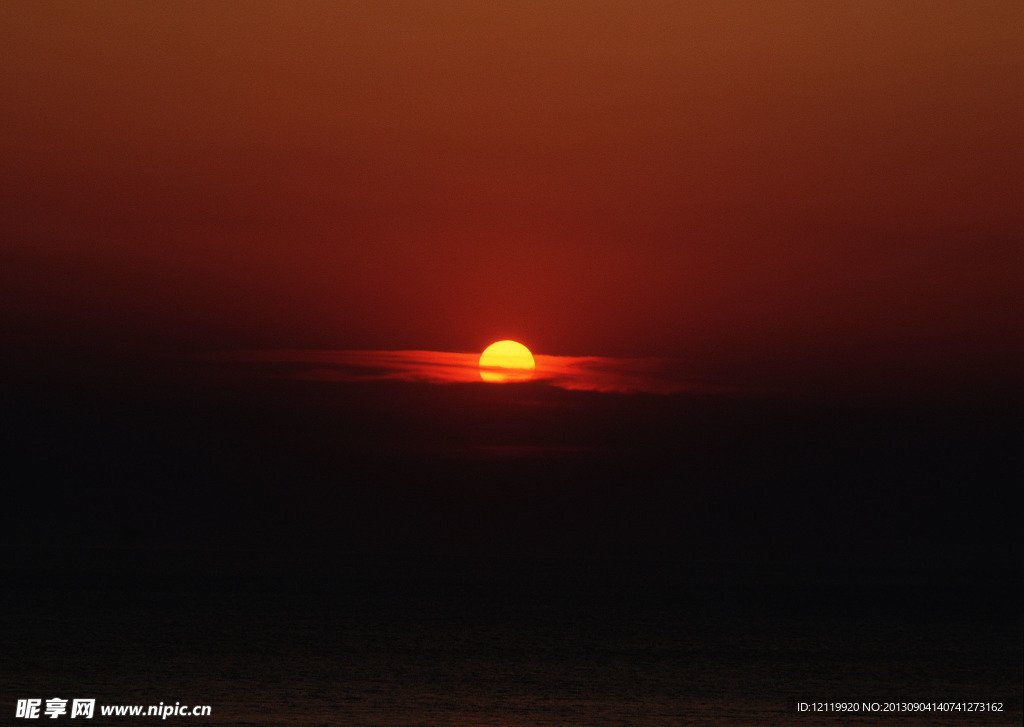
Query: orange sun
x=506, y=361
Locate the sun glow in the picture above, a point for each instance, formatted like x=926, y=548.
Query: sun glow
x=506, y=361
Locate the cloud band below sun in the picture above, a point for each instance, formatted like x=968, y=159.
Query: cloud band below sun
x=573, y=373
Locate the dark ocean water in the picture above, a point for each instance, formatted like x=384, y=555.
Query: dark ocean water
x=567, y=558
x=304, y=639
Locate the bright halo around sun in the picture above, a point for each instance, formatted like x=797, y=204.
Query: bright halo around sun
x=506, y=361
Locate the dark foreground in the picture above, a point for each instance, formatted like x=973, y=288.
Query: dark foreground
x=294, y=552
x=303, y=639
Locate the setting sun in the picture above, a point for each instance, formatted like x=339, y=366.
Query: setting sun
x=506, y=361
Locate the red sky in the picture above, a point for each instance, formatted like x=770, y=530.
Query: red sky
x=755, y=187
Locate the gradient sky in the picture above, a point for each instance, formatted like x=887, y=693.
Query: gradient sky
x=751, y=187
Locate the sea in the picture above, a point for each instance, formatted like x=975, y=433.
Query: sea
x=320, y=638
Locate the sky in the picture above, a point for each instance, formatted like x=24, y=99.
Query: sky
x=775, y=191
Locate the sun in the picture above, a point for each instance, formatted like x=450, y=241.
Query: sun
x=506, y=361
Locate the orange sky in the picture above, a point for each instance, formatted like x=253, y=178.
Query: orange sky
x=761, y=186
